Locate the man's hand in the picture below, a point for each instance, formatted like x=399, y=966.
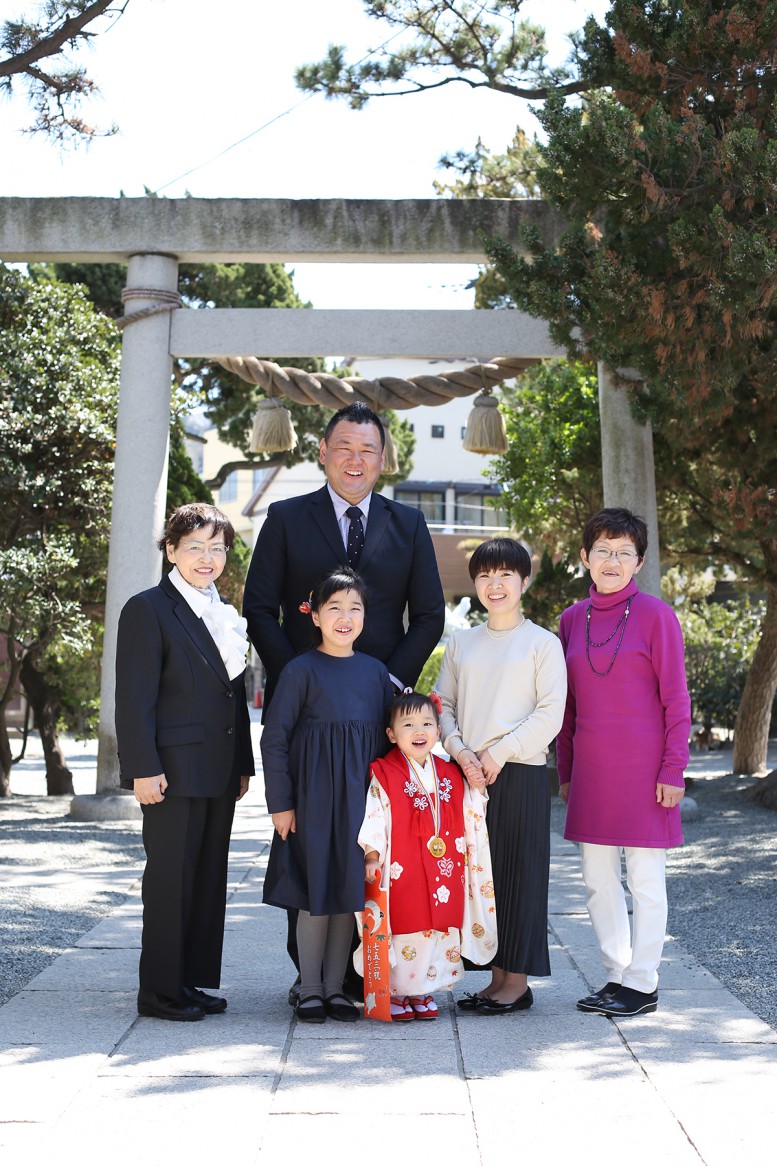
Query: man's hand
x=244, y=784
x=149, y=791
x=563, y=792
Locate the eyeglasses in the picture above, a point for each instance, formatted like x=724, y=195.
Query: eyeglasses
x=217, y=551
x=603, y=554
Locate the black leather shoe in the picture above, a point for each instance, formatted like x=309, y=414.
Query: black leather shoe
x=210, y=1005
x=628, y=1002
x=487, y=1007
x=353, y=987
x=591, y=1003
x=339, y=1007
x=166, y=1008
x=294, y=992
x=311, y=1010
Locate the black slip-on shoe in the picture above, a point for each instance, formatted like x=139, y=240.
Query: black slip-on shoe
x=311, y=1010
x=628, y=1002
x=591, y=1003
x=339, y=1007
x=488, y=1007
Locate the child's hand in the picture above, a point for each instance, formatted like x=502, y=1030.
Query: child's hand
x=371, y=866
x=473, y=770
x=491, y=769
x=285, y=823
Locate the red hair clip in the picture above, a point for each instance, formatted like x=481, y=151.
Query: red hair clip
x=305, y=607
x=436, y=701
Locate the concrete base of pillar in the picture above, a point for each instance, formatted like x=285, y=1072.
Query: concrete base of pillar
x=105, y=808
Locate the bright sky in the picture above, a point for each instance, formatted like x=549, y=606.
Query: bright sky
x=186, y=79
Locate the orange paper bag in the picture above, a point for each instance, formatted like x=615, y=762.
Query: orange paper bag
x=375, y=948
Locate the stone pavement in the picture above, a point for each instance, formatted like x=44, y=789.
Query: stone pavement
x=83, y=1078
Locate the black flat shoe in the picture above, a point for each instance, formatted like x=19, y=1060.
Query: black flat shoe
x=487, y=1007
x=469, y=1001
x=311, y=1010
x=210, y=1005
x=340, y=1008
x=166, y=1008
x=628, y=1002
x=591, y=1003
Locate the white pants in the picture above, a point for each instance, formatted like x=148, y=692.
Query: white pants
x=631, y=960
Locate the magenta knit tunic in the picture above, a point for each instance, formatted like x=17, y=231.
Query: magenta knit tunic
x=624, y=732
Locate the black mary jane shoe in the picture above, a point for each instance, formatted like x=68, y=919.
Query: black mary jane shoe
x=488, y=1007
x=469, y=1001
x=166, y=1007
x=594, y=1002
x=311, y=1010
x=339, y=1007
x=628, y=1002
x=210, y=1005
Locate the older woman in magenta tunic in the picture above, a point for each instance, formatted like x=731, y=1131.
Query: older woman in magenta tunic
x=621, y=754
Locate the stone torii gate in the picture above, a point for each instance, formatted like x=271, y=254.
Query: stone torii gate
x=153, y=235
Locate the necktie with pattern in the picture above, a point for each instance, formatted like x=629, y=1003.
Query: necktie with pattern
x=355, y=542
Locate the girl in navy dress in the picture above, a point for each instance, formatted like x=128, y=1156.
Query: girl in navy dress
x=324, y=727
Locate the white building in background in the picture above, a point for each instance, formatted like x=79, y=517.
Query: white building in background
x=447, y=483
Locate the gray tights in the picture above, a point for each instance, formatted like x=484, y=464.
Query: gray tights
x=324, y=942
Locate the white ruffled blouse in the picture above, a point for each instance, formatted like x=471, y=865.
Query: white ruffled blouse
x=227, y=628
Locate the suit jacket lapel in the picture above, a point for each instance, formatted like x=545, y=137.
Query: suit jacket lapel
x=323, y=513
x=379, y=518
x=196, y=630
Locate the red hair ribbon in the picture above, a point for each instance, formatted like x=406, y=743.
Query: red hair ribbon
x=437, y=702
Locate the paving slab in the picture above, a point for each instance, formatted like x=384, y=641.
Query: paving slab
x=695, y=1083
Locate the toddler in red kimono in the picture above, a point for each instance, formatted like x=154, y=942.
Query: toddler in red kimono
x=424, y=831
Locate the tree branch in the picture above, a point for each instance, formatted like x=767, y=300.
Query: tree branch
x=48, y=46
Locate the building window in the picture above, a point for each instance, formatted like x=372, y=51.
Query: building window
x=438, y=431
x=431, y=503
x=475, y=509
x=261, y=476
x=228, y=492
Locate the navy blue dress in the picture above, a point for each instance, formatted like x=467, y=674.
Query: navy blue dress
x=326, y=723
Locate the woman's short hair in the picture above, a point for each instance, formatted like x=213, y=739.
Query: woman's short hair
x=358, y=413
x=616, y=522
x=412, y=702
x=195, y=516
x=505, y=554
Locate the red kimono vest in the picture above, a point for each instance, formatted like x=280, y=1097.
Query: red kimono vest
x=427, y=893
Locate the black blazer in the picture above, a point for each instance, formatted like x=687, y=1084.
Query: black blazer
x=300, y=541
x=177, y=712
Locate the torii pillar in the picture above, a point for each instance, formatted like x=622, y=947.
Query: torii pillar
x=140, y=474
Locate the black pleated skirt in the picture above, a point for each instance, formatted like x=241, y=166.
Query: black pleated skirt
x=518, y=818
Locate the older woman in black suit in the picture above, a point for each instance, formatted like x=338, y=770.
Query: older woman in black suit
x=185, y=749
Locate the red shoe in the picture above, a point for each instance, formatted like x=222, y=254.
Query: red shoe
x=424, y=1007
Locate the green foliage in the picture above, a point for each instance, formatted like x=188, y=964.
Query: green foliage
x=557, y=584
x=720, y=642
x=430, y=673
x=669, y=261
x=482, y=174
x=551, y=475
x=58, y=398
x=480, y=44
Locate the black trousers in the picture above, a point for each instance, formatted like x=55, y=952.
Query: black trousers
x=185, y=892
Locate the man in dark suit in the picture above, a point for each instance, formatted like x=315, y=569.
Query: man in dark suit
x=387, y=543
x=303, y=538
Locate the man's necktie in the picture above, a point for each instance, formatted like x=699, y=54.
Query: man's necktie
x=355, y=542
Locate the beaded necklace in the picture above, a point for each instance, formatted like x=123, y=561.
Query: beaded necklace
x=589, y=643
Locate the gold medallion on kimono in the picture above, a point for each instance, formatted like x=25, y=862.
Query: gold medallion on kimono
x=436, y=846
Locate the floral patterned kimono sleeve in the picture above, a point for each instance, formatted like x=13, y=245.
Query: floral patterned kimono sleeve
x=478, y=933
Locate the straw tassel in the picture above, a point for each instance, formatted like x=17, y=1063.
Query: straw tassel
x=390, y=459
x=486, y=431
x=273, y=430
